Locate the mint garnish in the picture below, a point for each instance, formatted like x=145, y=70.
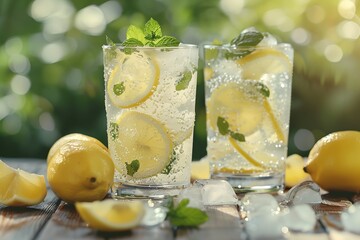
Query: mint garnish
x=133, y=167
x=119, y=88
x=183, y=216
x=184, y=81
x=168, y=167
x=224, y=130
x=112, y=51
x=151, y=35
x=247, y=39
x=263, y=89
x=114, y=131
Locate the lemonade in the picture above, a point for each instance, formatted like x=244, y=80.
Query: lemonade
x=150, y=108
x=248, y=92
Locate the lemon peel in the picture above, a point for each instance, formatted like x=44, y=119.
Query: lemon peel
x=20, y=188
x=250, y=159
x=111, y=215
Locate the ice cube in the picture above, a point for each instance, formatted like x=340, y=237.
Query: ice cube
x=303, y=193
x=351, y=218
x=265, y=226
x=193, y=193
x=155, y=212
x=255, y=203
x=217, y=192
x=208, y=192
x=299, y=218
x=268, y=40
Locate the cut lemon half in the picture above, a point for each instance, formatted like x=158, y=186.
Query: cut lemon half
x=20, y=188
x=264, y=61
x=133, y=79
x=243, y=113
x=142, y=138
x=111, y=215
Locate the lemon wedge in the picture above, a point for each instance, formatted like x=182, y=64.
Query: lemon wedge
x=244, y=114
x=111, y=215
x=200, y=169
x=142, y=138
x=264, y=61
x=20, y=188
x=133, y=79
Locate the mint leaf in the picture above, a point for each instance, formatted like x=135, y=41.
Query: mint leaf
x=119, y=89
x=237, y=136
x=263, y=89
x=168, y=167
x=152, y=30
x=183, y=216
x=247, y=39
x=222, y=125
x=135, y=33
x=132, y=42
x=167, y=41
x=184, y=81
x=114, y=130
x=133, y=167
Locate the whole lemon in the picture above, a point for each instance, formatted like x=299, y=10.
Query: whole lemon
x=334, y=162
x=72, y=136
x=80, y=171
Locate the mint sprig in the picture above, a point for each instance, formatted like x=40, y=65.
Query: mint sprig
x=151, y=35
x=184, y=216
x=133, y=167
x=224, y=129
x=245, y=39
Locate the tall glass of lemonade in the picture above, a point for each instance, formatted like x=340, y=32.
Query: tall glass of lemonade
x=248, y=96
x=150, y=109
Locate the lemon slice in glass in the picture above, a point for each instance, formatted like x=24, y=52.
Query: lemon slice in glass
x=133, y=79
x=20, y=188
x=111, y=215
x=264, y=61
x=142, y=138
x=243, y=113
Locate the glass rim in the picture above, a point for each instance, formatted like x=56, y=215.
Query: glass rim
x=229, y=47
x=181, y=46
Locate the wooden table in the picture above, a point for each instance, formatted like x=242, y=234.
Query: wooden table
x=54, y=219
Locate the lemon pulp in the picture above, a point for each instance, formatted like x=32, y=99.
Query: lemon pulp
x=142, y=138
x=20, y=188
x=111, y=215
x=133, y=79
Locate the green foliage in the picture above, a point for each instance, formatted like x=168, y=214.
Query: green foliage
x=63, y=63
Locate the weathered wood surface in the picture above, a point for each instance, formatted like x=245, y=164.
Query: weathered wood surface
x=54, y=219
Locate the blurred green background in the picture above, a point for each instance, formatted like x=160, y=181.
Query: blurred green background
x=51, y=74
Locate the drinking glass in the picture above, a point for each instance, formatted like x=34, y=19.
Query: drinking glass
x=150, y=112
x=248, y=96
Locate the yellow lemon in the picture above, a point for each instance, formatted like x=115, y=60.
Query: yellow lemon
x=80, y=171
x=333, y=162
x=20, y=188
x=243, y=113
x=111, y=215
x=294, y=173
x=264, y=61
x=72, y=136
x=133, y=79
x=200, y=169
x=142, y=138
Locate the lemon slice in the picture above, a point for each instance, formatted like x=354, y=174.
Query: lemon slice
x=264, y=61
x=243, y=113
x=111, y=215
x=20, y=188
x=250, y=159
x=133, y=79
x=142, y=138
